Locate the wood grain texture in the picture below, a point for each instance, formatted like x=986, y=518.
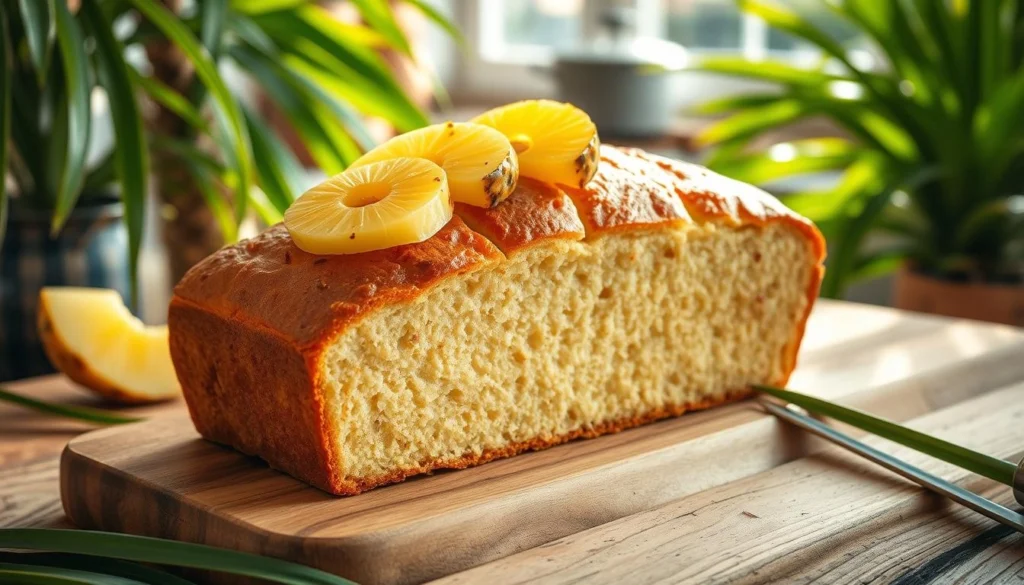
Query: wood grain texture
x=831, y=517
x=158, y=478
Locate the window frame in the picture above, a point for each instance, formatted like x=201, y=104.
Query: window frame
x=488, y=73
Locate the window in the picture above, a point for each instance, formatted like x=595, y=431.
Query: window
x=513, y=40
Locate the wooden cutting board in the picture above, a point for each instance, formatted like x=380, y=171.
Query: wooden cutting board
x=159, y=478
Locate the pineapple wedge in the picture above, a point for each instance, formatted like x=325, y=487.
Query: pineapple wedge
x=372, y=207
x=481, y=165
x=91, y=336
x=555, y=142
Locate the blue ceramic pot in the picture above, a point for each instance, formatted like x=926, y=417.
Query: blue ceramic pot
x=91, y=250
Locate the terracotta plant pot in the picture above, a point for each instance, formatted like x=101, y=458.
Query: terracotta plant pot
x=996, y=303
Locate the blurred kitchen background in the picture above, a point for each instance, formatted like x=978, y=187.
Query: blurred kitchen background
x=897, y=126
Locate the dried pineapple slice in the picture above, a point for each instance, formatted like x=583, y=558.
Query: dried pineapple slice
x=556, y=142
x=372, y=207
x=481, y=165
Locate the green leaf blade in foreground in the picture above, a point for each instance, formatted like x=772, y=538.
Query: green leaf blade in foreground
x=76, y=80
x=130, y=155
x=37, y=17
x=113, y=567
x=229, y=114
x=165, y=552
x=980, y=463
x=93, y=415
x=41, y=575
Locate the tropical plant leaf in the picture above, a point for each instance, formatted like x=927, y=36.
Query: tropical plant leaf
x=867, y=174
x=264, y=46
x=380, y=17
x=440, y=20
x=752, y=121
x=213, y=16
x=207, y=174
x=130, y=154
x=262, y=6
x=78, y=90
x=82, y=413
x=112, y=567
x=732, y=103
x=329, y=154
x=37, y=575
x=264, y=208
x=810, y=155
x=861, y=213
x=168, y=98
x=769, y=71
x=317, y=45
x=984, y=465
x=165, y=552
x=6, y=63
x=279, y=173
x=38, y=19
x=226, y=110
x=881, y=262
x=208, y=186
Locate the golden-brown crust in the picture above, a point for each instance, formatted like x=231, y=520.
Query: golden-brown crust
x=274, y=408
x=351, y=486
x=535, y=212
x=627, y=193
x=268, y=282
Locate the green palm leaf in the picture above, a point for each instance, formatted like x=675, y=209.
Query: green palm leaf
x=378, y=14
x=82, y=413
x=168, y=98
x=227, y=112
x=37, y=18
x=90, y=564
x=279, y=174
x=752, y=121
x=165, y=552
x=318, y=46
x=330, y=154
x=984, y=465
x=811, y=155
x=78, y=115
x=34, y=575
x=130, y=154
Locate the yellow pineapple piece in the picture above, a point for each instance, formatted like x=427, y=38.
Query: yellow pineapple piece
x=556, y=142
x=94, y=339
x=481, y=165
x=372, y=207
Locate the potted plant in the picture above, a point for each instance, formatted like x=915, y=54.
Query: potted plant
x=930, y=149
x=74, y=216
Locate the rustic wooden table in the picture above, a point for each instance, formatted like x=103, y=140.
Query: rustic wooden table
x=826, y=517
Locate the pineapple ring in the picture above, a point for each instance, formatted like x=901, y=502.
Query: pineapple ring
x=481, y=165
x=556, y=142
x=372, y=207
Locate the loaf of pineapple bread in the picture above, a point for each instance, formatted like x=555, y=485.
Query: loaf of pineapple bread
x=658, y=288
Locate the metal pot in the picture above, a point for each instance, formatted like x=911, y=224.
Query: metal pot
x=91, y=250
x=623, y=82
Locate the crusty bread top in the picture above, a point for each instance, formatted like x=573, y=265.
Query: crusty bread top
x=533, y=213
x=270, y=283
